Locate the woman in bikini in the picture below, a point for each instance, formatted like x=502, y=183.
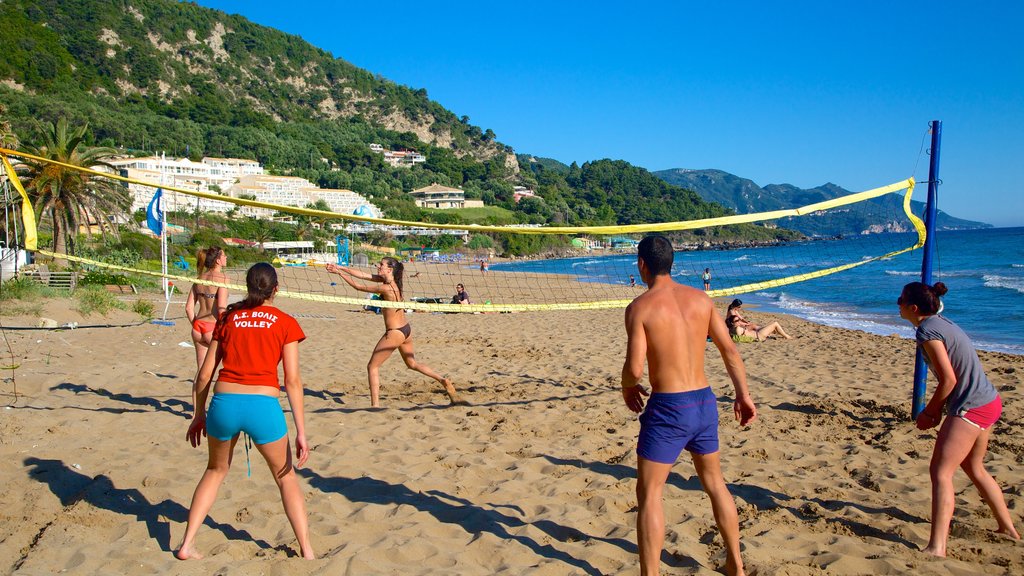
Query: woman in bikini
x=740, y=326
x=204, y=304
x=397, y=330
x=972, y=407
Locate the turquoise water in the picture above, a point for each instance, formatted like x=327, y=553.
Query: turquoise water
x=983, y=269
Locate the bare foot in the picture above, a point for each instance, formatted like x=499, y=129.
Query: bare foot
x=1011, y=532
x=934, y=551
x=733, y=570
x=453, y=396
x=187, y=553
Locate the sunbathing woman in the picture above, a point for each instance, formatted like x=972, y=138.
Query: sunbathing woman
x=397, y=330
x=205, y=303
x=251, y=338
x=740, y=326
x=972, y=407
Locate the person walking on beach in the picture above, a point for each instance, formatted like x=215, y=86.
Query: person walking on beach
x=706, y=277
x=972, y=407
x=666, y=326
x=397, y=330
x=252, y=337
x=205, y=303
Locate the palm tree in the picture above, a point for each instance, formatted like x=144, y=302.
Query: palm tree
x=261, y=232
x=68, y=196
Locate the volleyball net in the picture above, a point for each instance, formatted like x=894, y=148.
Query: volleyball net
x=502, y=268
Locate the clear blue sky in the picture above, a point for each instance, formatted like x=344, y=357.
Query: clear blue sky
x=795, y=92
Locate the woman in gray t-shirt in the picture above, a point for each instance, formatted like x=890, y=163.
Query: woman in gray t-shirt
x=972, y=407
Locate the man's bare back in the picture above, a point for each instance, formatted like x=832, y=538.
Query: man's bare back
x=675, y=321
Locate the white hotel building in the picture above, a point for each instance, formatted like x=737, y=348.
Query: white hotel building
x=232, y=177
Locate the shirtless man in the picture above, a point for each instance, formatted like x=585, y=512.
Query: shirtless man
x=667, y=326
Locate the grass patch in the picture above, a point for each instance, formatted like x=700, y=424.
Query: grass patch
x=143, y=308
x=24, y=289
x=95, y=299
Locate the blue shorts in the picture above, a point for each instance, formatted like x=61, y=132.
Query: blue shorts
x=257, y=415
x=677, y=420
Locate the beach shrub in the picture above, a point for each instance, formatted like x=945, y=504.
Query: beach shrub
x=204, y=238
x=480, y=242
x=23, y=297
x=94, y=299
x=22, y=288
x=143, y=308
x=102, y=278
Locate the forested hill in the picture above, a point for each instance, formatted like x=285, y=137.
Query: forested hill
x=161, y=75
x=744, y=196
x=186, y=62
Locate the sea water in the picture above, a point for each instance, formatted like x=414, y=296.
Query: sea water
x=983, y=269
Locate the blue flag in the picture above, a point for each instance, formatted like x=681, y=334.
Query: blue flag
x=154, y=214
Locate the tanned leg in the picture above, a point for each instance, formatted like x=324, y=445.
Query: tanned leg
x=206, y=493
x=278, y=455
x=987, y=486
x=709, y=470
x=385, y=346
x=955, y=442
x=650, y=516
x=409, y=356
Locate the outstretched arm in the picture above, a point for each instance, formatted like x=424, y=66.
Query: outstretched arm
x=743, y=406
x=376, y=288
x=342, y=270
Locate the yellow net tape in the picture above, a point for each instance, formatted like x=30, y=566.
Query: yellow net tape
x=27, y=213
x=906, y=185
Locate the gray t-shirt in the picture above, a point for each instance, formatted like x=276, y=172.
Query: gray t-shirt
x=972, y=386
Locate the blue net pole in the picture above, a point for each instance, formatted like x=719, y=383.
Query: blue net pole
x=920, y=368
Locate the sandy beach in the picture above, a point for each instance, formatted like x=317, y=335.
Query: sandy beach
x=535, y=476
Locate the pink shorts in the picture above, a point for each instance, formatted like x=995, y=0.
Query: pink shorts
x=983, y=416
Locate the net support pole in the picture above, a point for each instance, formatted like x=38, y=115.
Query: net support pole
x=931, y=210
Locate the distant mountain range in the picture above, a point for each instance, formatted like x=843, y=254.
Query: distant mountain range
x=744, y=196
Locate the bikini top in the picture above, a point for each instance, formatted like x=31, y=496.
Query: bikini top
x=200, y=294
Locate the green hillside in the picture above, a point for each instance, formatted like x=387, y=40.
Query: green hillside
x=161, y=75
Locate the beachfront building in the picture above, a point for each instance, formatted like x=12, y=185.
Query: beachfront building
x=295, y=191
x=211, y=175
